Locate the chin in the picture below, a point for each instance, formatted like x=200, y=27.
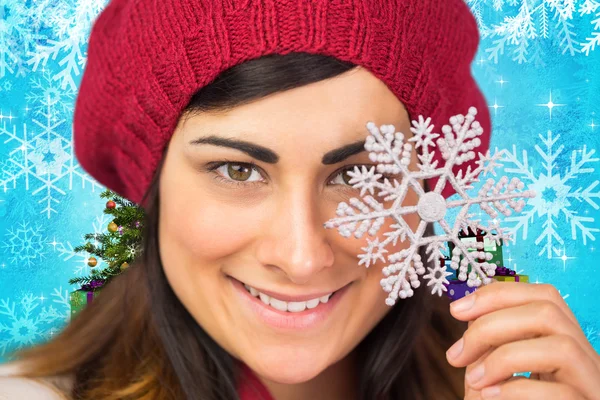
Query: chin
x=289, y=366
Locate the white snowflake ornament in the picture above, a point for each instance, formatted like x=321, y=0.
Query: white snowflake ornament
x=392, y=156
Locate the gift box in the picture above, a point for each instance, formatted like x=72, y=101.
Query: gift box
x=514, y=278
x=456, y=289
x=80, y=298
x=504, y=274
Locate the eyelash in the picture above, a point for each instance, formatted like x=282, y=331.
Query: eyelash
x=212, y=167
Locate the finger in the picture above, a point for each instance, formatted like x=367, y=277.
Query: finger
x=558, y=355
x=501, y=295
x=540, y=318
x=532, y=390
x=471, y=393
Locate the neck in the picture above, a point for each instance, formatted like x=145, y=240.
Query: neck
x=337, y=382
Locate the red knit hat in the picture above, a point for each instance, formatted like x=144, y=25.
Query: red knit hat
x=147, y=58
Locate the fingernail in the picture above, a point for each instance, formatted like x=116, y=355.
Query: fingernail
x=456, y=349
x=463, y=304
x=491, y=391
x=476, y=374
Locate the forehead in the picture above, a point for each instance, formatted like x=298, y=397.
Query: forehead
x=323, y=114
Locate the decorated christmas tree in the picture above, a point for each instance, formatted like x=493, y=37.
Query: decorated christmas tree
x=118, y=247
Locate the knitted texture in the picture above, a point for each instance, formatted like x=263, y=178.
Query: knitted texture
x=147, y=58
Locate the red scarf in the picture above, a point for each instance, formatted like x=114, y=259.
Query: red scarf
x=250, y=387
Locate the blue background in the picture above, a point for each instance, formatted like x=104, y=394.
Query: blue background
x=538, y=65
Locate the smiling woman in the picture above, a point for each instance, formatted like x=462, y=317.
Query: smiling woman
x=240, y=201
x=240, y=292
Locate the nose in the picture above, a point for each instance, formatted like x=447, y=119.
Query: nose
x=296, y=241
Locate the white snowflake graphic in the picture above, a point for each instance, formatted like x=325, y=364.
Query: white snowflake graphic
x=27, y=321
x=48, y=157
x=558, y=192
x=530, y=22
x=65, y=25
x=389, y=151
x=46, y=95
x=591, y=7
x=42, y=159
x=25, y=244
x=71, y=22
x=591, y=333
x=17, y=36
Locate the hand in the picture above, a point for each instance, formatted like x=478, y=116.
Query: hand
x=520, y=327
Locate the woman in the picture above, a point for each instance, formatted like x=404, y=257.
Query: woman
x=235, y=125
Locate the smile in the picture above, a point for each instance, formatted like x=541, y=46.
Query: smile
x=301, y=314
x=291, y=306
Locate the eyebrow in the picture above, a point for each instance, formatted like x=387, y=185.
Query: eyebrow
x=268, y=156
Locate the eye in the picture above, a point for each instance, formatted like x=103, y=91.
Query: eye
x=342, y=177
x=239, y=172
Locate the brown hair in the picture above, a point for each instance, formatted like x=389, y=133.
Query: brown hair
x=137, y=341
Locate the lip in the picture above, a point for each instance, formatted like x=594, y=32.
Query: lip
x=287, y=321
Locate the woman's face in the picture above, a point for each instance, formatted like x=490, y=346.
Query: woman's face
x=244, y=195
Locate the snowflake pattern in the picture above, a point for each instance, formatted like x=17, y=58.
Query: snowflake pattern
x=557, y=194
x=26, y=321
x=43, y=160
x=534, y=21
x=65, y=26
x=46, y=95
x=71, y=22
x=392, y=156
x=591, y=333
x=17, y=35
x=25, y=244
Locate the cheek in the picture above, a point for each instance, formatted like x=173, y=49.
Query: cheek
x=206, y=229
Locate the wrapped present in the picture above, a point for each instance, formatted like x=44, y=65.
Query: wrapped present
x=504, y=274
x=456, y=289
x=80, y=298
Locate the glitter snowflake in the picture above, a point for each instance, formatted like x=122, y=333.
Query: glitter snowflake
x=561, y=194
x=392, y=156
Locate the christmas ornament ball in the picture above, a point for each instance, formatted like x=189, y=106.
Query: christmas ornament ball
x=92, y=262
x=111, y=204
x=112, y=227
x=124, y=266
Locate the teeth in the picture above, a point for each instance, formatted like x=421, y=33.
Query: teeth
x=312, y=303
x=296, y=306
x=292, y=306
x=264, y=298
x=278, y=304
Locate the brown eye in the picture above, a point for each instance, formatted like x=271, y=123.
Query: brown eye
x=342, y=177
x=239, y=172
x=346, y=177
